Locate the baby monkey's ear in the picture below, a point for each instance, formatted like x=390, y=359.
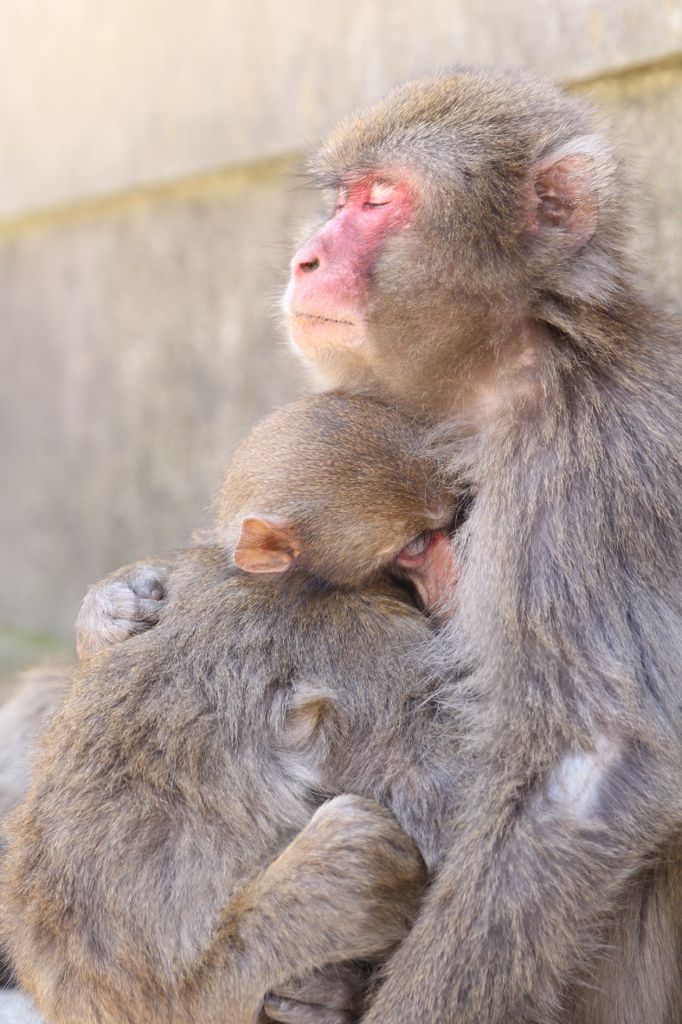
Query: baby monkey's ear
x=266, y=544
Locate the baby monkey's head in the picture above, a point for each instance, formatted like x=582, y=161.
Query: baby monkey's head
x=341, y=487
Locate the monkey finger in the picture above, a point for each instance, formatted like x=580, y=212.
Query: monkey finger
x=148, y=581
x=123, y=629
x=337, y=986
x=145, y=610
x=117, y=607
x=289, y=1011
x=120, y=602
x=107, y=601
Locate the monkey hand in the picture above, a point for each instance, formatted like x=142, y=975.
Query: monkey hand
x=121, y=605
x=336, y=994
x=347, y=887
x=368, y=877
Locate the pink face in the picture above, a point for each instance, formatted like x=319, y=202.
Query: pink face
x=326, y=299
x=430, y=563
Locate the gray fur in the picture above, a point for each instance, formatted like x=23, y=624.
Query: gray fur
x=169, y=863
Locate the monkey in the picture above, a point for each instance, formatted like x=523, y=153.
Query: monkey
x=178, y=854
x=476, y=268
x=128, y=602
x=22, y=717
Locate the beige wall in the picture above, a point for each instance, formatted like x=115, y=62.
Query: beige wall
x=146, y=210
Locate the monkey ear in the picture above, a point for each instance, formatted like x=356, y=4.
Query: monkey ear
x=266, y=544
x=563, y=195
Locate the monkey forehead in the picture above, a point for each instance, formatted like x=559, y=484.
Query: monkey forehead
x=452, y=124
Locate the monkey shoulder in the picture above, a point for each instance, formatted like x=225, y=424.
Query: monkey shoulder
x=168, y=691
x=372, y=621
x=358, y=659
x=289, y=615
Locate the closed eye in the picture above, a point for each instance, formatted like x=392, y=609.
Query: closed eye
x=414, y=553
x=381, y=194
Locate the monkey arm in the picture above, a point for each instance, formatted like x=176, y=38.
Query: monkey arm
x=346, y=887
x=517, y=900
x=121, y=605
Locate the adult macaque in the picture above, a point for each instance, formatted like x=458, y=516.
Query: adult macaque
x=476, y=268
x=147, y=874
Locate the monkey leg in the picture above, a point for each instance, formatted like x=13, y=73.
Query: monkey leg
x=344, y=889
x=347, y=887
x=518, y=903
x=336, y=994
x=637, y=976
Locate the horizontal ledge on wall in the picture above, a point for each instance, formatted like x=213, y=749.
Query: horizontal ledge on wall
x=226, y=180
x=668, y=62
x=19, y=217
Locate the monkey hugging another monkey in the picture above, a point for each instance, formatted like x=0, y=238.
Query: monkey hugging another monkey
x=475, y=269
x=167, y=864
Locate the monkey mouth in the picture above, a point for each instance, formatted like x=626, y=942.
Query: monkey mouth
x=318, y=318
x=315, y=333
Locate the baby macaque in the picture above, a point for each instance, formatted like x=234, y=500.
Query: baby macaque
x=169, y=863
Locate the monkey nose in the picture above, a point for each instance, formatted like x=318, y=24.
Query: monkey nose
x=309, y=265
x=306, y=260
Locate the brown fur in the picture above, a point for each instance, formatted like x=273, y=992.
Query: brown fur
x=39, y=693
x=509, y=310
x=524, y=329
x=148, y=876
x=126, y=603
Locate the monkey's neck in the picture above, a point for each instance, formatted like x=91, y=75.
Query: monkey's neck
x=612, y=334
x=509, y=373
x=614, y=342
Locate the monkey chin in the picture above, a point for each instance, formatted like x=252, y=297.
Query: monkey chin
x=313, y=335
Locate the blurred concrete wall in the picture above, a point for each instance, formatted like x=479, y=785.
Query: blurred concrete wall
x=146, y=212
